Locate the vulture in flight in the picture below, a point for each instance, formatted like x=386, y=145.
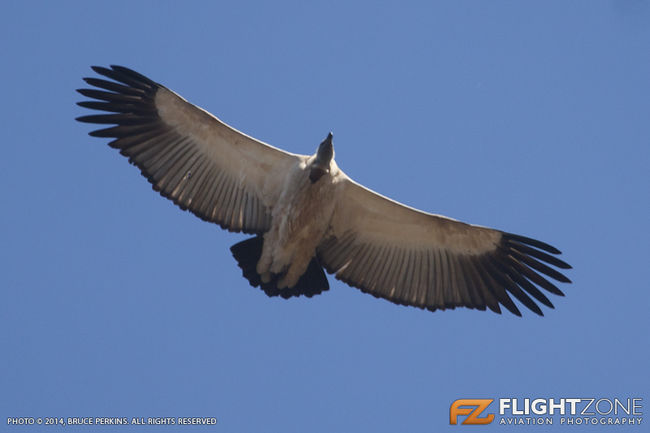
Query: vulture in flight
x=308, y=216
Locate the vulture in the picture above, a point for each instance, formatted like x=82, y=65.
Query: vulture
x=307, y=216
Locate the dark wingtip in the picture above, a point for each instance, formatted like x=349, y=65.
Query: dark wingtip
x=123, y=69
x=495, y=308
x=532, y=242
x=85, y=119
x=129, y=71
x=100, y=70
x=562, y=278
x=82, y=119
x=510, y=306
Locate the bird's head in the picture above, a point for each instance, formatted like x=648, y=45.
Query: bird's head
x=322, y=160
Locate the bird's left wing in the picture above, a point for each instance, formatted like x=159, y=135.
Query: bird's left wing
x=190, y=156
x=429, y=261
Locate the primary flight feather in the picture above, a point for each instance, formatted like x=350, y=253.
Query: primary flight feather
x=307, y=214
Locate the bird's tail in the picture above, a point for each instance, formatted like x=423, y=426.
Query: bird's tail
x=248, y=253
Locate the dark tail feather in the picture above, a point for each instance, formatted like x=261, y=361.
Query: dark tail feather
x=312, y=282
x=248, y=253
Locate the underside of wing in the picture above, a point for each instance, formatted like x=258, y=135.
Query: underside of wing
x=188, y=155
x=429, y=261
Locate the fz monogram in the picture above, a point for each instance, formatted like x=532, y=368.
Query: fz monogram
x=472, y=409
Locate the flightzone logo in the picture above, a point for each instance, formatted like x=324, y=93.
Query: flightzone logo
x=547, y=411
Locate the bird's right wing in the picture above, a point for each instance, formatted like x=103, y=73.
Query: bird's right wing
x=190, y=156
x=410, y=257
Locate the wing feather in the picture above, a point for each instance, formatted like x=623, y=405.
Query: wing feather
x=429, y=261
x=188, y=155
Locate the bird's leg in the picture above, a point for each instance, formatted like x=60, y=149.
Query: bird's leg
x=264, y=263
x=297, y=267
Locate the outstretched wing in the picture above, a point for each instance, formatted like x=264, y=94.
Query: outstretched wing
x=190, y=156
x=429, y=261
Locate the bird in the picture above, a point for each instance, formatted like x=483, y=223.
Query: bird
x=307, y=217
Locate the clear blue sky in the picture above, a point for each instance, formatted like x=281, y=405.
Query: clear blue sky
x=531, y=117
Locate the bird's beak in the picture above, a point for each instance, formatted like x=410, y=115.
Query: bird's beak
x=324, y=156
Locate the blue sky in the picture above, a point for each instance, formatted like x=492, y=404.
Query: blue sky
x=531, y=117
